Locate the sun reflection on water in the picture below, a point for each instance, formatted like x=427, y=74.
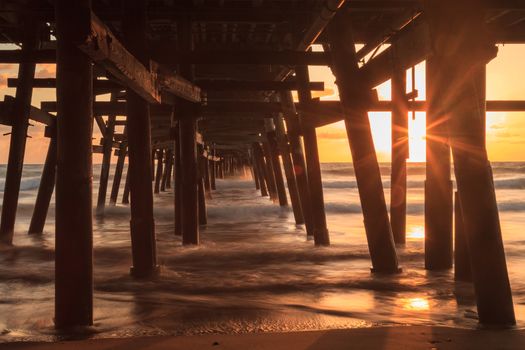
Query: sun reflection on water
x=416, y=232
x=415, y=304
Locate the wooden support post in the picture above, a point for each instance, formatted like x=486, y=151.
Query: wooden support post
x=20, y=118
x=203, y=218
x=299, y=164
x=178, y=183
x=158, y=177
x=284, y=150
x=167, y=170
x=438, y=183
x=276, y=164
x=462, y=270
x=206, y=176
x=398, y=178
x=463, y=22
x=213, y=170
x=355, y=96
x=258, y=161
x=46, y=187
x=272, y=187
x=106, y=163
x=313, y=166
x=143, y=243
x=256, y=177
x=74, y=173
x=125, y=195
x=188, y=149
x=119, y=167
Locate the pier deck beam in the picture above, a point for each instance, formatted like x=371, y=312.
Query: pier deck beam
x=142, y=223
x=355, y=96
x=398, y=179
x=438, y=183
x=299, y=164
x=22, y=106
x=463, y=23
x=46, y=187
x=313, y=166
x=74, y=173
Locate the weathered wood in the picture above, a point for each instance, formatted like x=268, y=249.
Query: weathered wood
x=117, y=177
x=462, y=269
x=438, y=183
x=74, y=230
x=261, y=168
x=106, y=163
x=167, y=170
x=299, y=164
x=142, y=224
x=313, y=166
x=125, y=195
x=276, y=164
x=159, y=172
x=178, y=182
x=284, y=150
x=398, y=178
x=213, y=171
x=463, y=62
x=270, y=177
x=255, y=85
x=45, y=189
x=20, y=122
x=355, y=93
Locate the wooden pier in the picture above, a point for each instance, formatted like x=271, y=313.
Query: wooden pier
x=202, y=90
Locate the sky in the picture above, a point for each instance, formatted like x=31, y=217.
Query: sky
x=505, y=131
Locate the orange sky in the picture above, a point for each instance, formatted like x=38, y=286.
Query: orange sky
x=505, y=131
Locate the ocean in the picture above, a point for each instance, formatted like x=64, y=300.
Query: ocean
x=255, y=270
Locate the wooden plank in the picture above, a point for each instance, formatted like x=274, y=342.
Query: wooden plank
x=35, y=114
x=233, y=85
x=35, y=56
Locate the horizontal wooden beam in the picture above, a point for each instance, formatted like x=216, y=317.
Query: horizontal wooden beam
x=233, y=85
x=165, y=55
x=19, y=56
x=35, y=114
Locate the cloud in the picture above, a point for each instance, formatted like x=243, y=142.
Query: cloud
x=46, y=71
x=7, y=67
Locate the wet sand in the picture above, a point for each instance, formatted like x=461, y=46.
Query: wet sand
x=413, y=337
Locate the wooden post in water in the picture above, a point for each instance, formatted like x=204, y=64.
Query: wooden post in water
x=158, y=175
x=270, y=177
x=178, y=182
x=276, y=164
x=119, y=167
x=438, y=184
x=398, y=178
x=125, y=195
x=22, y=106
x=167, y=170
x=47, y=185
x=284, y=150
x=299, y=165
x=462, y=270
x=206, y=176
x=355, y=96
x=256, y=177
x=106, y=162
x=188, y=149
x=74, y=173
x=203, y=218
x=313, y=166
x=143, y=244
x=260, y=168
x=463, y=23
x=213, y=171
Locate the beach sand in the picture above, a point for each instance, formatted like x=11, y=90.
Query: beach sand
x=409, y=337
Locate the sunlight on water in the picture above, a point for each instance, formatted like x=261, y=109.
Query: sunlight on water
x=416, y=232
x=415, y=304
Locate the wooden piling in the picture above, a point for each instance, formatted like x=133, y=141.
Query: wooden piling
x=178, y=183
x=355, y=96
x=167, y=170
x=206, y=176
x=106, y=163
x=260, y=169
x=117, y=177
x=22, y=106
x=270, y=177
x=299, y=164
x=438, y=183
x=255, y=172
x=159, y=173
x=398, y=178
x=213, y=171
x=74, y=173
x=276, y=164
x=462, y=270
x=465, y=62
x=203, y=217
x=142, y=223
x=46, y=187
x=313, y=166
x=284, y=150
x=125, y=195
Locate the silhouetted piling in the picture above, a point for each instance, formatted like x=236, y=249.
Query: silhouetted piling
x=117, y=177
x=106, y=163
x=159, y=172
x=276, y=164
x=462, y=270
